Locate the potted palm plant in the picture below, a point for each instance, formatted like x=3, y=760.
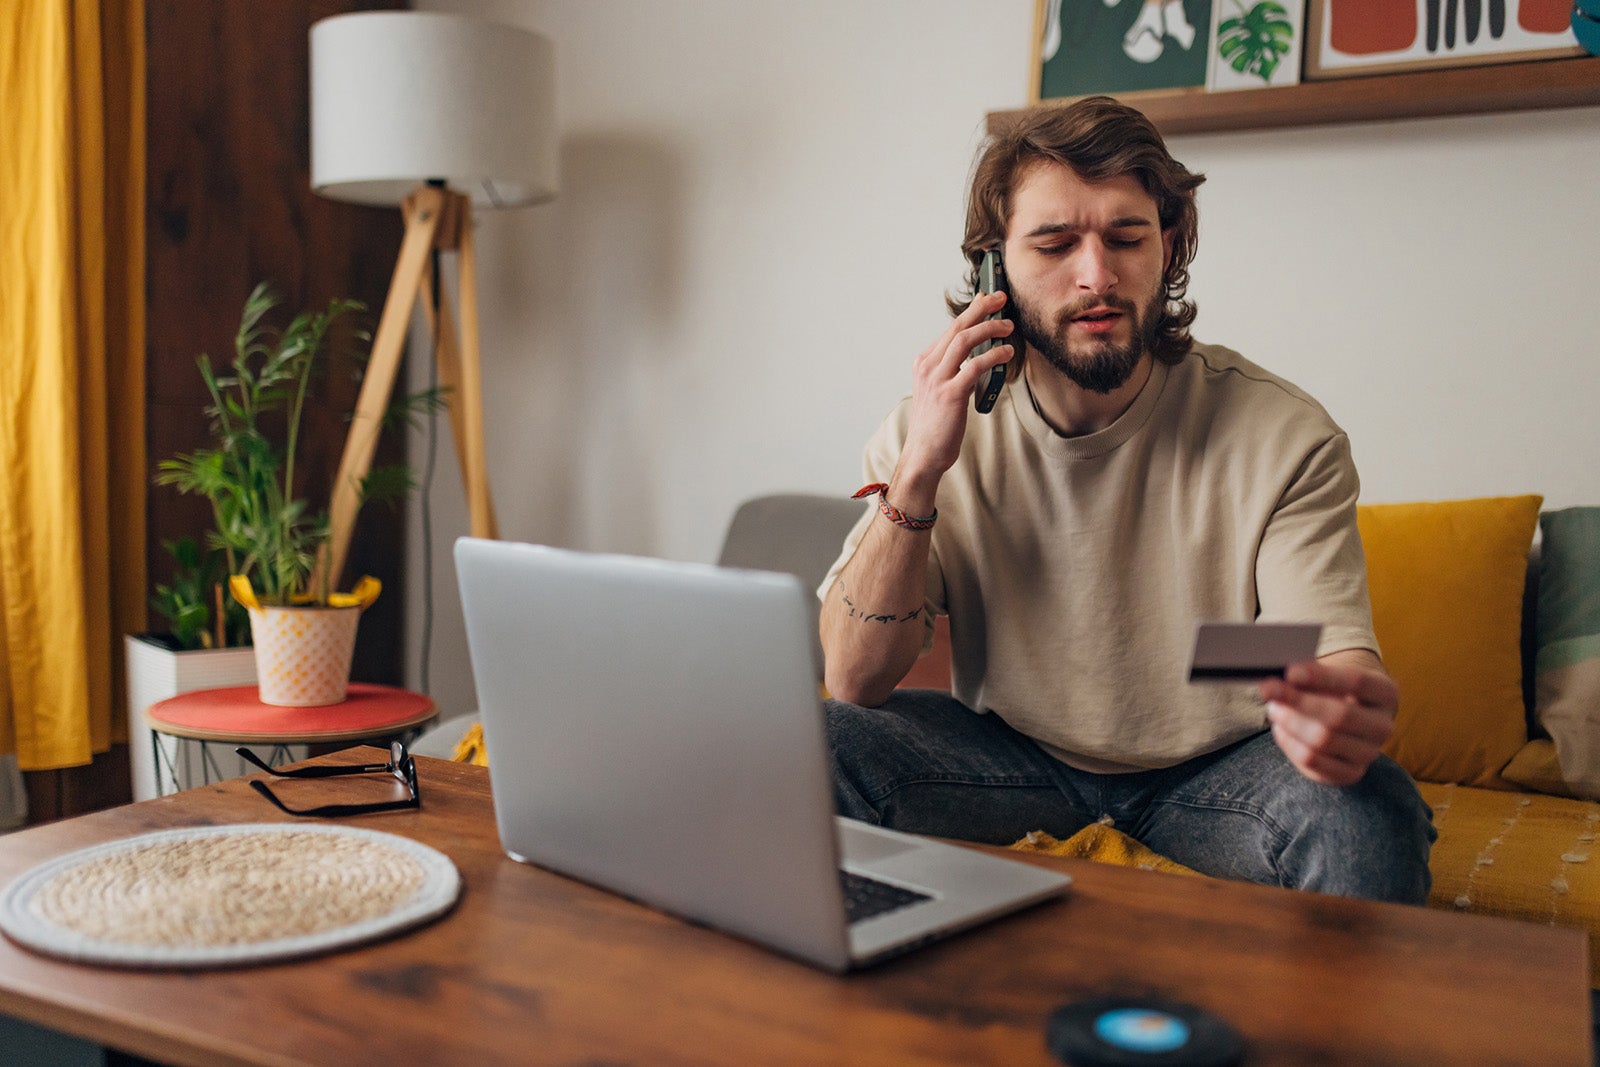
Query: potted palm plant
x=267, y=534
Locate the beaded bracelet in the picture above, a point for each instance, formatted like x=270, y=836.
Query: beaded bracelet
x=892, y=513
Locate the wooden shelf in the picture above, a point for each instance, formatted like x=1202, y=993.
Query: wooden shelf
x=1528, y=86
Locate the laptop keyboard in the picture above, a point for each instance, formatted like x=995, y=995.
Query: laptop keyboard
x=866, y=897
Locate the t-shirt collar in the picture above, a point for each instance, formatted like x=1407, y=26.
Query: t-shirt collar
x=1101, y=441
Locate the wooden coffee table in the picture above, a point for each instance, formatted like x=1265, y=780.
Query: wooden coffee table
x=532, y=967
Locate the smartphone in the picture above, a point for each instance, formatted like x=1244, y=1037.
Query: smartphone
x=991, y=278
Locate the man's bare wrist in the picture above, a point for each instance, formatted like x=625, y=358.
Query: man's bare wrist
x=913, y=493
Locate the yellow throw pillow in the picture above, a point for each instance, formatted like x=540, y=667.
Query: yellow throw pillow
x=1538, y=767
x=1446, y=581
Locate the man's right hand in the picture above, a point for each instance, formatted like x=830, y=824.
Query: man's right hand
x=943, y=380
x=872, y=622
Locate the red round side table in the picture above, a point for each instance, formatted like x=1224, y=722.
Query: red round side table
x=236, y=716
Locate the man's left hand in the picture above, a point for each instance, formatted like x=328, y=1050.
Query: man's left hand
x=1331, y=715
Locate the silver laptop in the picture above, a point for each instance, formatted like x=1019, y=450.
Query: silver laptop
x=655, y=729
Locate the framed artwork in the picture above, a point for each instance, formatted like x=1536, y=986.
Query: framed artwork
x=1256, y=43
x=1119, y=46
x=1354, y=37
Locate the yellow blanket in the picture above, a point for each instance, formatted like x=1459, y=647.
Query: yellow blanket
x=1103, y=844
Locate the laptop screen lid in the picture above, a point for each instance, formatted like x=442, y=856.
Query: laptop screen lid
x=654, y=728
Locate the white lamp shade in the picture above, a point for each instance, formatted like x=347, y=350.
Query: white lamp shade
x=401, y=97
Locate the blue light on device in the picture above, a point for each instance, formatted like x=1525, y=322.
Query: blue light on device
x=1142, y=1030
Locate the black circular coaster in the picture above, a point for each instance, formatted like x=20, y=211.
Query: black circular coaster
x=1140, y=1032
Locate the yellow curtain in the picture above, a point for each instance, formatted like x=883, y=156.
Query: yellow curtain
x=71, y=372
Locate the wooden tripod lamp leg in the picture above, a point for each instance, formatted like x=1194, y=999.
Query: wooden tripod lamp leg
x=442, y=326
x=475, y=470
x=422, y=211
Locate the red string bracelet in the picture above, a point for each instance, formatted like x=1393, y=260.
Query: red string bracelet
x=892, y=513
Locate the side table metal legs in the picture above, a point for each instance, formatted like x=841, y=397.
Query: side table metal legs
x=175, y=767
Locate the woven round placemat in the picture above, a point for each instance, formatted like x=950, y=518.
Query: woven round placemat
x=227, y=895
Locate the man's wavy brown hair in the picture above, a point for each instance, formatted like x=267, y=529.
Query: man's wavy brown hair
x=1100, y=139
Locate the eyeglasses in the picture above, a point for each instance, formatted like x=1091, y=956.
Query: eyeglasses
x=401, y=765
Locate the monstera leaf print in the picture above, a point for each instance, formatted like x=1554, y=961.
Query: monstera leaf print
x=1256, y=40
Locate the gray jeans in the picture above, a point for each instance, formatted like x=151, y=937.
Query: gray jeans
x=925, y=763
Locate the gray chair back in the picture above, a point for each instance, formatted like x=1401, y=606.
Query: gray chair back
x=796, y=533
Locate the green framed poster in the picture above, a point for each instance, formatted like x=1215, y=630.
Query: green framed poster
x=1120, y=46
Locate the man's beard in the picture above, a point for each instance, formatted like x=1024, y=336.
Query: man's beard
x=1098, y=365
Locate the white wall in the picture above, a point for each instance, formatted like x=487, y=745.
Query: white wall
x=760, y=213
x=1432, y=282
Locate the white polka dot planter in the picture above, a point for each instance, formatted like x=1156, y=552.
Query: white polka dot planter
x=303, y=653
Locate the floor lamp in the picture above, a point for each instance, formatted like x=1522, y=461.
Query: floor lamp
x=438, y=114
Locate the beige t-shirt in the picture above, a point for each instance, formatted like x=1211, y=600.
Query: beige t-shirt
x=1075, y=569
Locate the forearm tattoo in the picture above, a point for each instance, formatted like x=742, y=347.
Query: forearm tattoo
x=864, y=615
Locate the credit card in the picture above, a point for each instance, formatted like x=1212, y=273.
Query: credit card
x=1250, y=651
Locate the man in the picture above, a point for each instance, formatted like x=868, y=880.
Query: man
x=1128, y=483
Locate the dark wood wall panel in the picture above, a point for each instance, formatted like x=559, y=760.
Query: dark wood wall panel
x=229, y=205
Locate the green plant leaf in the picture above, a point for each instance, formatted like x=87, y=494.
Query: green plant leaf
x=410, y=410
x=388, y=485
x=186, y=605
